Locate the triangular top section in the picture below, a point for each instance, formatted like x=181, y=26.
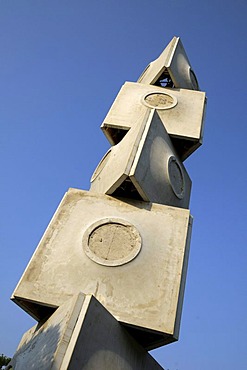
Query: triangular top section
x=171, y=69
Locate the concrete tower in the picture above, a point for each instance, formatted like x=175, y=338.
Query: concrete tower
x=106, y=282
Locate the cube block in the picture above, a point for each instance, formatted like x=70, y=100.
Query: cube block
x=132, y=256
x=145, y=165
x=76, y=337
x=181, y=112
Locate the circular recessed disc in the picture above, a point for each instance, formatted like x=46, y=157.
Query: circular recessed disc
x=101, y=165
x=176, y=177
x=193, y=79
x=159, y=100
x=112, y=242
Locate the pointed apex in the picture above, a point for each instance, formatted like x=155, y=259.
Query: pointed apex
x=171, y=69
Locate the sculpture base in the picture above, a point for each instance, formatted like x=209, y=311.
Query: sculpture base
x=81, y=334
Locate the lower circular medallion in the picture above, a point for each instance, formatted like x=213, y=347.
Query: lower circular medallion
x=112, y=242
x=176, y=177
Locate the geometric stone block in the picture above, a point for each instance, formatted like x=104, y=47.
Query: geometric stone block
x=81, y=334
x=131, y=255
x=181, y=112
x=144, y=165
x=173, y=63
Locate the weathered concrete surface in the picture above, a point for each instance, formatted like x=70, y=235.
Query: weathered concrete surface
x=181, y=112
x=146, y=158
x=81, y=335
x=143, y=289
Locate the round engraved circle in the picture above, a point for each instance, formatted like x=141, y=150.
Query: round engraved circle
x=176, y=177
x=112, y=242
x=101, y=165
x=193, y=79
x=160, y=100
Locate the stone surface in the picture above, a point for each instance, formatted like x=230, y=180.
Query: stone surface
x=173, y=62
x=146, y=159
x=181, y=112
x=81, y=334
x=145, y=292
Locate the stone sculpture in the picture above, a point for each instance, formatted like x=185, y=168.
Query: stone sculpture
x=124, y=243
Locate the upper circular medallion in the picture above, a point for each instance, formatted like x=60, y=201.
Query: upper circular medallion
x=159, y=100
x=101, y=165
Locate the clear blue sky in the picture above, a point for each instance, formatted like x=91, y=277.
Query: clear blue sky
x=61, y=65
